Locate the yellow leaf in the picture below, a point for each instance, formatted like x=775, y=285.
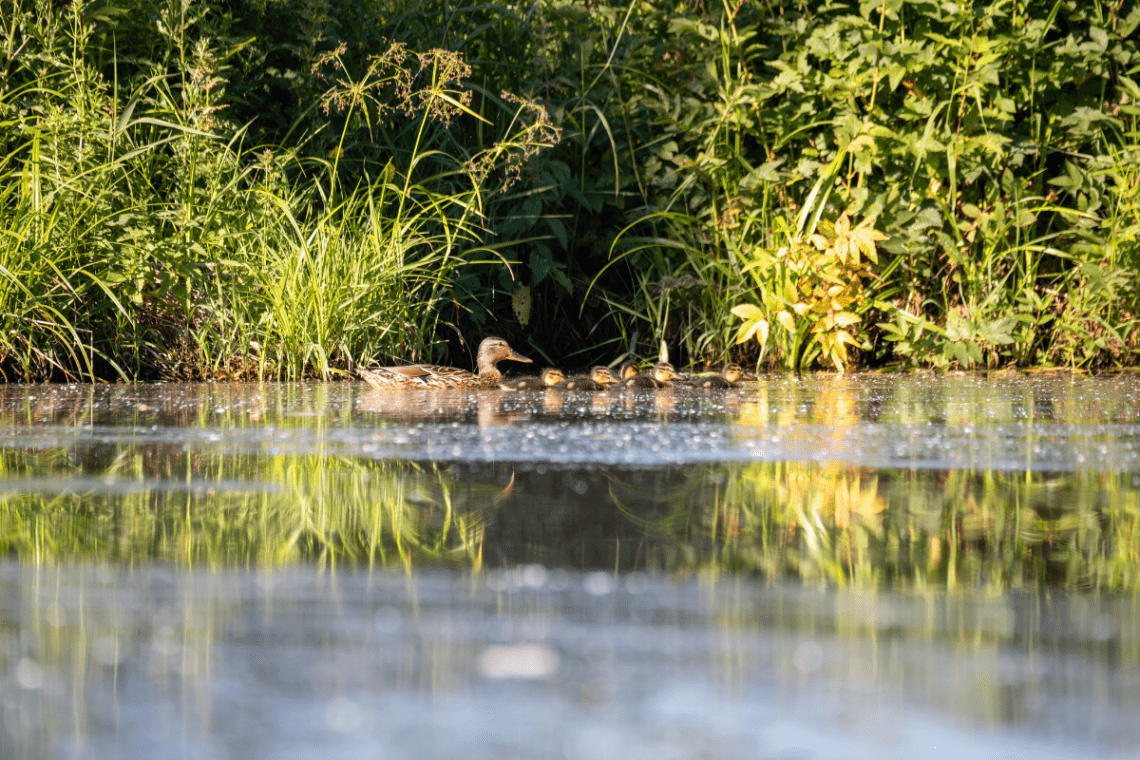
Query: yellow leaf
x=800, y=308
x=865, y=239
x=786, y=321
x=520, y=302
x=843, y=337
x=845, y=318
x=834, y=291
x=824, y=324
x=842, y=225
x=839, y=357
x=819, y=241
x=747, y=311
x=841, y=246
x=757, y=327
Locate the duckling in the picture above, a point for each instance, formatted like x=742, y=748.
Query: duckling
x=426, y=376
x=549, y=378
x=597, y=380
x=664, y=376
x=631, y=377
x=729, y=377
x=628, y=370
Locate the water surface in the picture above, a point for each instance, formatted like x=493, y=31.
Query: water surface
x=824, y=567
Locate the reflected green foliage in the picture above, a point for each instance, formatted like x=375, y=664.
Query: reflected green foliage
x=817, y=523
x=208, y=510
x=272, y=475
x=842, y=525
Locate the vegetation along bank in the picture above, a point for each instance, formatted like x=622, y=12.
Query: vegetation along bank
x=293, y=188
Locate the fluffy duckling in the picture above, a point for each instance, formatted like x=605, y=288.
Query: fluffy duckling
x=549, y=378
x=631, y=377
x=598, y=379
x=664, y=375
x=729, y=377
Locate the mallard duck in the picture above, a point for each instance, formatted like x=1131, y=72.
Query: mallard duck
x=420, y=376
x=729, y=377
x=597, y=380
x=549, y=378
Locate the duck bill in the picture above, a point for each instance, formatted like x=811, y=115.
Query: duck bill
x=516, y=356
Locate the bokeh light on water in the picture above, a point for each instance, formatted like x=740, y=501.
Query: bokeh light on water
x=815, y=567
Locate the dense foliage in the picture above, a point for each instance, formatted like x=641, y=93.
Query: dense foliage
x=215, y=189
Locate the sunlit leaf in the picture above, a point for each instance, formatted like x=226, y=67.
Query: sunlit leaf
x=762, y=332
x=787, y=321
x=840, y=248
x=842, y=225
x=747, y=311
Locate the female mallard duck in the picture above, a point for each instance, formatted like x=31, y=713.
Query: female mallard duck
x=427, y=376
x=549, y=378
x=597, y=380
x=729, y=377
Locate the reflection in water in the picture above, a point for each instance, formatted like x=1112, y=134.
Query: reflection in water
x=809, y=521
x=278, y=474
x=812, y=567
x=108, y=662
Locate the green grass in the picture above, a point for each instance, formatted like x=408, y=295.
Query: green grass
x=281, y=192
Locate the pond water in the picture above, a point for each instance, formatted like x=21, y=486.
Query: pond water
x=861, y=566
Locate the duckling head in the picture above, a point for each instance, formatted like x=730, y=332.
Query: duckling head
x=732, y=372
x=663, y=372
x=603, y=376
x=552, y=377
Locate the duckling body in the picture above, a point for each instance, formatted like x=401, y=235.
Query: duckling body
x=640, y=381
x=729, y=377
x=549, y=378
x=427, y=376
x=631, y=377
x=598, y=379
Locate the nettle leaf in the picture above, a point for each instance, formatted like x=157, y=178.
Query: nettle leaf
x=1099, y=37
x=541, y=263
x=559, y=230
